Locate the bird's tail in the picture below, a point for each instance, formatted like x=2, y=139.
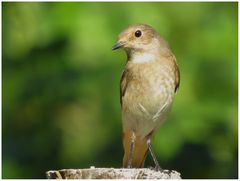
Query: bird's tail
x=139, y=152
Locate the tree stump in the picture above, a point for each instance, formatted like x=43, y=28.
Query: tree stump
x=112, y=173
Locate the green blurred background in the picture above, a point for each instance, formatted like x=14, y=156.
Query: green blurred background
x=61, y=86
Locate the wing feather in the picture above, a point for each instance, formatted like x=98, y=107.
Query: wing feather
x=123, y=84
x=177, y=73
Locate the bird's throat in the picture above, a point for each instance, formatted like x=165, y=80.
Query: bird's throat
x=142, y=57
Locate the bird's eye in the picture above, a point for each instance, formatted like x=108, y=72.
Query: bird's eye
x=138, y=33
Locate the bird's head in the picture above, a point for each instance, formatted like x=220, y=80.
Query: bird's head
x=137, y=38
x=142, y=43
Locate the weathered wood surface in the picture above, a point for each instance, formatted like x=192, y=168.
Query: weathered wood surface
x=112, y=173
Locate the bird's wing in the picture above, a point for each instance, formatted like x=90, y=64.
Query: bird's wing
x=177, y=73
x=123, y=84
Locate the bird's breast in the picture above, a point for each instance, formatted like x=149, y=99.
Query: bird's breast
x=149, y=95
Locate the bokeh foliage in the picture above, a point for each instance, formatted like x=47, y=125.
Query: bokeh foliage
x=61, y=86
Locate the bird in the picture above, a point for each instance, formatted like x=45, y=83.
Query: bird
x=148, y=85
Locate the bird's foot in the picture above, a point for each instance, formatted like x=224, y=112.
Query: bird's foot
x=158, y=168
x=167, y=171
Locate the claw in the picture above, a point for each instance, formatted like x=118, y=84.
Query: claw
x=158, y=168
x=167, y=172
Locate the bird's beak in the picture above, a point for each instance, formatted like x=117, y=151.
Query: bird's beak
x=118, y=45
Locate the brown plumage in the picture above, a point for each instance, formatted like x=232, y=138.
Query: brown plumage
x=148, y=85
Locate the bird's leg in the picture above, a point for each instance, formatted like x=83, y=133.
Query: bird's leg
x=157, y=166
x=133, y=138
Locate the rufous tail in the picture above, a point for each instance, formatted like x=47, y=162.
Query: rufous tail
x=140, y=150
